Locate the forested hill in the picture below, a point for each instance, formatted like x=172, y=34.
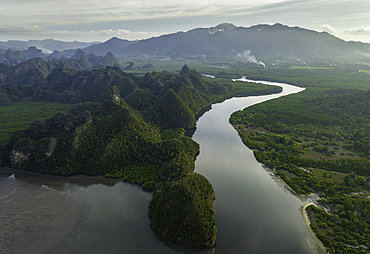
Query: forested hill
x=169, y=100
x=163, y=101
x=112, y=138
x=15, y=68
x=16, y=80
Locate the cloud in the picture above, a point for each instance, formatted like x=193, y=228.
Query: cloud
x=36, y=32
x=20, y=29
x=118, y=32
x=329, y=29
x=362, y=30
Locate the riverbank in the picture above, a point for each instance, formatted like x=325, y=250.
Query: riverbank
x=74, y=179
x=321, y=248
x=286, y=185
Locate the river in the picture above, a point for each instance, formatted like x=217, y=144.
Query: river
x=255, y=213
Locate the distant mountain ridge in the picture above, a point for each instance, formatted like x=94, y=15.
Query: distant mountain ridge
x=266, y=42
x=46, y=45
x=79, y=61
x=226, y=41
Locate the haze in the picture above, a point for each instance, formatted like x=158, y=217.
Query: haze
x=95, y=20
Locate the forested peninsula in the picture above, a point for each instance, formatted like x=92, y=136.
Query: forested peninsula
x=124, y=126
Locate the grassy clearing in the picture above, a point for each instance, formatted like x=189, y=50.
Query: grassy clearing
x=334, y=176
x=337, y=149
x=21, y=114
x=311, y=68
x=365, y=71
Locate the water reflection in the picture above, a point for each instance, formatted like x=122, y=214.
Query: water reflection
x=253, y=213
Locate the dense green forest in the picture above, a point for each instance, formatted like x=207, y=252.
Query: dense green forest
x=318, y=141
x=55, y=86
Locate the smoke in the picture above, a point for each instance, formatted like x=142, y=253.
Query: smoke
x=247, y=56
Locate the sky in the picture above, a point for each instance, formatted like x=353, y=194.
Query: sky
x=100, y=20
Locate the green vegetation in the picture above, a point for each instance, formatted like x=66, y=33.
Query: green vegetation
x=242, y=89
x=365, y=71
x=318, y=141
x=172, y=133
x=183, y=211
x=149, y=94
x=20, y=115
x=345, y=228
x=146, y=175
x=319, y=79
x=311, y=68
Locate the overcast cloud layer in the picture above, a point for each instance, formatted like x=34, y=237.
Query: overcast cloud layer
x=96, y=20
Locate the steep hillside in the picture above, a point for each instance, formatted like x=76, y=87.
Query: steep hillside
x=168, y=100
x=114, y=139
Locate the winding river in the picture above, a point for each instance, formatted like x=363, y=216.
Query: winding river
x=255, y=213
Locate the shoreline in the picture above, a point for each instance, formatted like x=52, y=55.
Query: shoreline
x=321, y=247
x=10, y=170
x=290, y=188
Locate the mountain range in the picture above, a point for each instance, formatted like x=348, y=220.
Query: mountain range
x=46, y=46
x=256, y=44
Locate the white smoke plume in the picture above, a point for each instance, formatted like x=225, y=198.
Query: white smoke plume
x=247, y=56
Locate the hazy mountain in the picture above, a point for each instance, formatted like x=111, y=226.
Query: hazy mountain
x=254, y=44
x=55, y=55
x=12, y=57
x=265, y=42
x=37, y=69
x=114, y=45
x=32, y=52
x=47, y=46
x=262, y=42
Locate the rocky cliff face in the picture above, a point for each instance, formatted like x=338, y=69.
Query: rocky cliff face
x=36, y=145
x=25, y=148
